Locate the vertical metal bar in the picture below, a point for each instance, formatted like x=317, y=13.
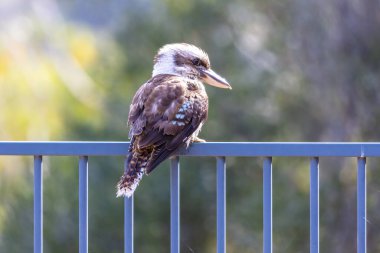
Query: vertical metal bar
x=221, y=204
x=128, y=219
x=361, y=206
x=83, y=204
x=38, y=205
x=267, y=167
x=314, y=205
x=174, y=205
x=128, y=224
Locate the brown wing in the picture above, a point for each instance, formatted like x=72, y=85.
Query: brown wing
x=164, y=115
x=136, y=120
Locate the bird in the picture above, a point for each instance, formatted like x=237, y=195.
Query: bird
x=168, y=111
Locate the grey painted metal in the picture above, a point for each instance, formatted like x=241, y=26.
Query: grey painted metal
x=128, y=224
x=220, y=150
x=314, y=205
x=83, y=204
x=267, y=212
x=174, y=205
x=221, y=205
x=263, y=149
x=128, y=220
x=361, y=206
x=38, y=205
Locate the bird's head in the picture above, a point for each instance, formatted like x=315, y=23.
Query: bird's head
x=188, y=61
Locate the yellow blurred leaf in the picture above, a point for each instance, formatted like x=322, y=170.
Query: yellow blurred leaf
x=83, y=48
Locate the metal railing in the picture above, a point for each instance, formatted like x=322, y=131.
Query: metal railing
x=218, y=150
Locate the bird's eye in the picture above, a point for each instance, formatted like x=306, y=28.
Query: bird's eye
x=197, y=62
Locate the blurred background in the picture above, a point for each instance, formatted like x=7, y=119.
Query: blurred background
x=300, y=71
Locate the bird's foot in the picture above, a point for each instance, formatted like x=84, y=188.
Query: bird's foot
x=196, y=139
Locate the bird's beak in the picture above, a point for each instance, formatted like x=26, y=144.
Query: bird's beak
x=212, y=78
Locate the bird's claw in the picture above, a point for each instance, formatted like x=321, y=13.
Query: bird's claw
x=196, y=139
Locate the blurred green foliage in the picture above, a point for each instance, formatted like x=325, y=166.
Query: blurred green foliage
x=300, y=71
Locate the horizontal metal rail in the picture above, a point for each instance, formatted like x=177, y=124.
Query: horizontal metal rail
x=263, y=149
x=220, y=150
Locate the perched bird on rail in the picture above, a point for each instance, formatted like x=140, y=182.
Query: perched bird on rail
x=168, y=111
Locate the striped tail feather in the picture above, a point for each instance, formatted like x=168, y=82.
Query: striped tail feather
x=134, y=170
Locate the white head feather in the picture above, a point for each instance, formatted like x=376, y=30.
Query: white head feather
x=164, y=62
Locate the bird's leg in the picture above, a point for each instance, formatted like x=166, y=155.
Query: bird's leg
x=196, y=139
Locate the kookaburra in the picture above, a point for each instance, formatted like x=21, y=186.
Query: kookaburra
x=168, y=111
